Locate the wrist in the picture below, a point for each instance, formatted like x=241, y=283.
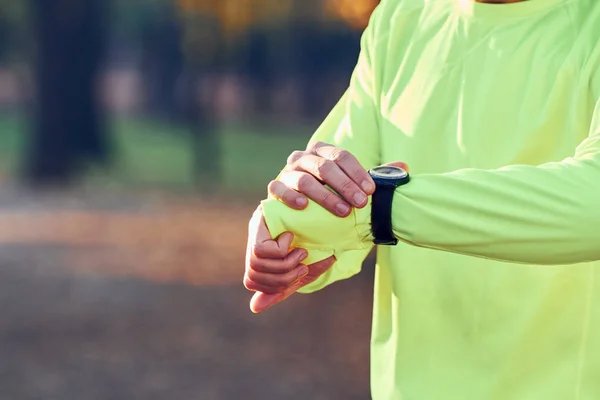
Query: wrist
x=316, y=228
x=387, y=179
x=362, y=224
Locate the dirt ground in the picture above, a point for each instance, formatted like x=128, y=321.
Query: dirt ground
x=140, y=297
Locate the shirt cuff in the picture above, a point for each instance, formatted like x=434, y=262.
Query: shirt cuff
x=315, y=228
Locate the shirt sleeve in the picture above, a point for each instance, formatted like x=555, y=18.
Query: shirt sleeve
x=352, y=125
x=546, y=215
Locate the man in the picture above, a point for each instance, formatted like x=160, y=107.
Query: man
x=494, y=289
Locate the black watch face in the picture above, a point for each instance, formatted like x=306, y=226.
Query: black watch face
x=388, y=172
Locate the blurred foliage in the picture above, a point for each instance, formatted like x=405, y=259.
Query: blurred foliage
x=214, y=27
x=157, y=155
x=14, y=32
x=284, y=60
x=238, y=16
x=354, y=12
x=211, y=26
x=12, y=11
x=272, y=35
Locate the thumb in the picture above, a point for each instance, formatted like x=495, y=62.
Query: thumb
x=262, y=301
x=317, y=269
x=258, y=229
x=399, y=164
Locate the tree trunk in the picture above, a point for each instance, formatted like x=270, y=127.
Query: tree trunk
x=206, y=141
x=68, y=133
x=162, y=64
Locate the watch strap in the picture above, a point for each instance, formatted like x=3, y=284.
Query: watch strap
x=381, y=214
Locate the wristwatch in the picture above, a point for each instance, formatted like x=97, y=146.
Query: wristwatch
x=387, y=179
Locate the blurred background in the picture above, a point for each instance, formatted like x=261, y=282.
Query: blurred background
x=136, y=139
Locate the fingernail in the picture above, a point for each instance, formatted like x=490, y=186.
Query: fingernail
x=367, y=186
x=302, y=256
x=359, y=199
x=302, y=273
x=342, y=209
x=301, y=202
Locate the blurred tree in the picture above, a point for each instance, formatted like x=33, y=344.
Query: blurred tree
x=12, y=17
x=68, y=134
x=313, y=43
x=162, y=61
x=204, y=51
x=4, y=37
x=236, y=17
x=355, y=13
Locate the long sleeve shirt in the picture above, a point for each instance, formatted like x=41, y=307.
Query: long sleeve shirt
x=494, y=290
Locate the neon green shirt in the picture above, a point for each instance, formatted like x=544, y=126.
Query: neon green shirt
x=494, y=292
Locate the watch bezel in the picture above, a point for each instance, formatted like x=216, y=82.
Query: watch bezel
x=388, y=173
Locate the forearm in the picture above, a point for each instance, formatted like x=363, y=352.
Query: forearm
x=322, y=234
x=539, y=215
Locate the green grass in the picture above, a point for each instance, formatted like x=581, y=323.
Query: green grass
x=150, y=154
x=11, y=143
x=252, y=157
x=154, y=154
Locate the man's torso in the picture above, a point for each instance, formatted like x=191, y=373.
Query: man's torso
x=462, y=91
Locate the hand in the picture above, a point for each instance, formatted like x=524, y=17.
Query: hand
x=272, y=270
x=307, y=171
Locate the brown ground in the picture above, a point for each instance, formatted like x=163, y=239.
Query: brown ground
x=141, y=298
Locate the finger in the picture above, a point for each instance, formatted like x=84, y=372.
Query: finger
x=278, y=266
x=308, y=185
x=274, y=283
x=330, y=173
x=258, y=238
x=263, y=301
x=284, y=242
x=317, y=269
x=349, y=165
x=295, y=156
x=274, y=249
x=260, y=242
x=289, y=197
x=258, y=233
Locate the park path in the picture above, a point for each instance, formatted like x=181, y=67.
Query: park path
x=131, y=297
